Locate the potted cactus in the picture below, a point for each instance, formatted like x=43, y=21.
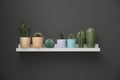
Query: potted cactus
x=25, y=40
x=49, y=43
x=37, y=40
x=61, y=42
x=71, y=41
x=80, y=39
x=90, y=37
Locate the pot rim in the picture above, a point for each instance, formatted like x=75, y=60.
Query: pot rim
x=61, y=39
x=71, y=39
x=25, y=37
x=37, y=37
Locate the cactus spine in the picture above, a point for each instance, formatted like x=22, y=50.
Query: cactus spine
x=80, y=39
x=90, y=38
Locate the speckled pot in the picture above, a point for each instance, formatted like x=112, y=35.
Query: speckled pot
x=25, y=42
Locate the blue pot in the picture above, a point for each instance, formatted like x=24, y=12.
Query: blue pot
x=71, y=43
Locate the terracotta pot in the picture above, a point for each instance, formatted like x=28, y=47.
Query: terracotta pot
x=25, y=42
x=37, y=42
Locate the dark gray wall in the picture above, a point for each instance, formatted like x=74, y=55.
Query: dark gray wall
x=52, y=17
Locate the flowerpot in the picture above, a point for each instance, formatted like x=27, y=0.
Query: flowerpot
x=61, y=43
x=37, y=42
x=25, y=42
x=71, y=43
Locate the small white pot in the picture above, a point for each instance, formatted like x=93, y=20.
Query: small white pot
x=61, y=43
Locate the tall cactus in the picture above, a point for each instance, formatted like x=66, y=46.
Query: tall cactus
x=80, y=39
x=90, y=38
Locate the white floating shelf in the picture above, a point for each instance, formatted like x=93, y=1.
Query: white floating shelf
x=85, y=49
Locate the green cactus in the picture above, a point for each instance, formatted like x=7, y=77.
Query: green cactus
x=24, y=30
x=71, y=36
x=90, y=38
x=38, y=34
x=49, y=43
x=80, y=39
x=61, y=35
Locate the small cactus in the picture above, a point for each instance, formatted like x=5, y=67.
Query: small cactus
x=38, y=34
x=49, y=43
x=80, y=39
x=90, y=38
x=23, y=29
x=71, y=36
x=61, y=35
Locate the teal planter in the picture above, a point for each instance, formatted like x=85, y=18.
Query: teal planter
x=71, y=43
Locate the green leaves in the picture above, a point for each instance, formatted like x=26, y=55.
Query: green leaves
x=24, y=31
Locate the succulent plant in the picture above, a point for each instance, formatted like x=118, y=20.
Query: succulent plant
x=71, y=36
x=38, y=34
x=24, y=31
x=90, y=38
x=80, y=39
x=49, y=43
x=61, y=35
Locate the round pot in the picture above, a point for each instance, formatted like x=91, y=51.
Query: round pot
x=61, y=43
x=71, y=43
x=37, y=42
x=25, y=42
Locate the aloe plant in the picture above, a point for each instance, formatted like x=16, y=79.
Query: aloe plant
x=24, y=31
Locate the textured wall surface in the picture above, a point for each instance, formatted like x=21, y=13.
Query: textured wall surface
x=52, y=17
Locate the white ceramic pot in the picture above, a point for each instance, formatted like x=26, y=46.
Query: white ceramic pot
x=61, y=43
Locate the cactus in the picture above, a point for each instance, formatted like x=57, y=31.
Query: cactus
x=38, y=34
x=90, y=38
x=80, y=39
x=61, y=35
x=23, y=29
x=49, y=43
x=71, y=36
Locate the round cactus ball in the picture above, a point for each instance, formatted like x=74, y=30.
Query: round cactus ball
x=49, y=43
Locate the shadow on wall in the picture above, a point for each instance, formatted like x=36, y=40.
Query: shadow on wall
x=61, y=57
